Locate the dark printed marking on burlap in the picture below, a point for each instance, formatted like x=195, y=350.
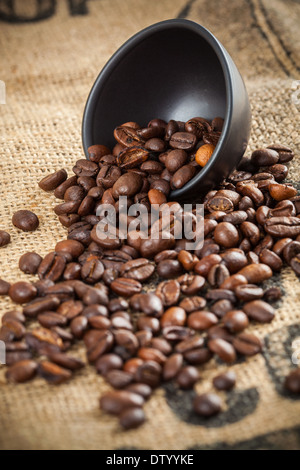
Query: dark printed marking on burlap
x=275, y=43
x=288, y=439
x=12, y=11
x=240, y=403
x=279, y=353
x=185, y=10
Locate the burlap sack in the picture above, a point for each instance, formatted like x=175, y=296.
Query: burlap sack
x=48, y=67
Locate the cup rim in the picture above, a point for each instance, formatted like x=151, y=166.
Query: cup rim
x=108, y=68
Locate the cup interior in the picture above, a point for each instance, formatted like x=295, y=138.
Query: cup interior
x=168, y=71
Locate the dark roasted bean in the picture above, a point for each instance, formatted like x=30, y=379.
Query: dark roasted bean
x=25, y=220
x=4, y=238
x=225, y=381
x=207, y=404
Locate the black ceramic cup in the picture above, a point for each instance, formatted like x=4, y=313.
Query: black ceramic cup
x=175, y=69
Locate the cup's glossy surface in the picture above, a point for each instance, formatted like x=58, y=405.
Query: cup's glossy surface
x=175, y=69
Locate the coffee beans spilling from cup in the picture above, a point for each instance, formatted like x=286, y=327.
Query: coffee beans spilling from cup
x=97, y=285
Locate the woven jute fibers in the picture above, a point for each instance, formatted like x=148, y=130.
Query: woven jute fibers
x=49, y=67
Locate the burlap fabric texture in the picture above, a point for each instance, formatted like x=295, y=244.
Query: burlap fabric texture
x=48, y=67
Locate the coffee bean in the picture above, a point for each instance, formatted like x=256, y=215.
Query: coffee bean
x=126, y=287
x=141, y=389
x=270, y=258
x=52, y=267
x=222, y=349
x=132, y=418
x=21, y=371
x=291, y=250
x=25, y=220
x=183, y=141
x=207, y=404
x=279, y=171
x=202, y=320
x=169, y=268
x=22, y=292
x=226, y=235
x=292, y=382
x=256, y=273
x=117, y=401
x=4, y=238
x=235, y=321
x=40, y=305
x=108, y=362
x=282, y=191
x=174, y=316
x=139, y=269
x=53, y=373
x=191, y=304
x=50, y=319
x=182, y=176
x=204, y=153
x=264, y=157
x=248, y=292
x=259, y=310
x=285, y=153
x=247, y=344
x=148, y=303
x=225, y=381
x=295, y=264
x=4, y=287
x=118, y=378
x=149, y=373
x=168, y=292
x=65, y=361
x=30, y=262
x=52, y=181
x=187, y=377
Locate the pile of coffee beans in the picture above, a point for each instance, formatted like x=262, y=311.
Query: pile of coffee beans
x=97, y=289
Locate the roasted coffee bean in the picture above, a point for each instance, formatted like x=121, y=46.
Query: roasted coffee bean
x=21, y=371
x=292, y=382
x=236, y=217
x=139, y=269
x=205, y=264
x=132, y=157
x=70, y=309
x=285, y=153
x=225, y=381
x=149, y=373
x=202, y=320
x=125, y=287
x=247, y=344
x=141, y=389
x=151, y=354
x=52, y=181
x=226, y=235
x=256, y=273
x=217, y=294
x=187, y=377
x=118, y=378
x=207, y=404
x=168, y=269
x=190, y=343
x=99, y=345
x=30, y=262
x=217, y=275
x=4, y=287
x=4, y=238
x=117, y=401
x=65, y=361
x=282, y=191
x=15, y=327
x=132, y=418
x=22, y=292
x=168, y=292
x=279, y=171
x=247, y=292
x=235, y=321
x=183, y=141
x=220, y=203
x=249, y=188
x=25, y=220
x=221, y=307
x=291, y=251
x=272, y=294
x=264, y=157
x=92, y=271
x=128, y=185
x=259, y=310
x=270, y=258
x=52, y=267
x=224, y=350
x=182, y=176
x=191, y=304
x=14, y=315
x=174, y=316
x=175, y=160
x=149, y=304
x=73, y=247
x=78, y=326
x=96, y=152
x=53, y=373
x=50, y=319
x=295, y=264
x=108, y=362
x=40, y=305
x=198, y=356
